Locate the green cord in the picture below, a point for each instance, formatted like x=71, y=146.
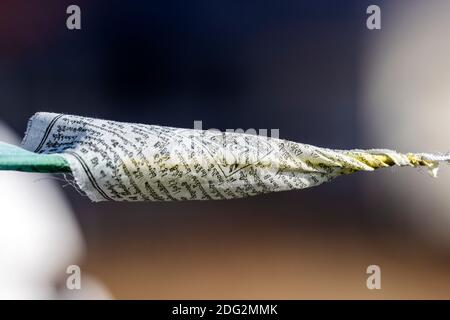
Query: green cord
x=18, y=159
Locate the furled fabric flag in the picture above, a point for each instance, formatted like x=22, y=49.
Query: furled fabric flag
x=135, y=162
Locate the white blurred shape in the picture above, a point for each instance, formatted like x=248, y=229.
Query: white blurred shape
x=39, y=236
x=406, y=106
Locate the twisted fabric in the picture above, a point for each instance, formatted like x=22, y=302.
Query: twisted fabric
x=135, y=162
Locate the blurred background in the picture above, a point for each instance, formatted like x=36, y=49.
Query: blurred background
x=308, y=68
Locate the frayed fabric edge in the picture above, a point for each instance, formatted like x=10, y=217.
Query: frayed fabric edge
x=81, y=179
